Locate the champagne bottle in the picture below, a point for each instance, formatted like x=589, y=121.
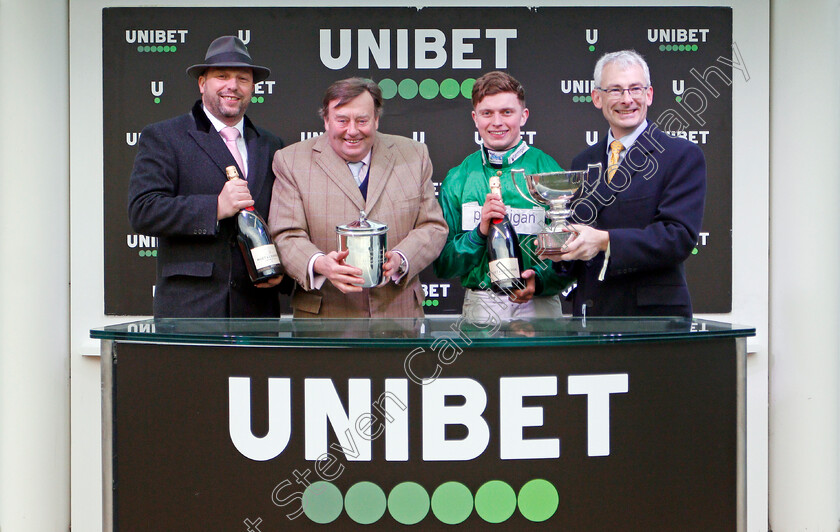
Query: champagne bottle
x=258, y=249
x=503, y=252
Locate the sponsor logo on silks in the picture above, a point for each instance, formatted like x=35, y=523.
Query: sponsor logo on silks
x=525, y=221
x=147, y=245
x=165, y=41
x=434, y=293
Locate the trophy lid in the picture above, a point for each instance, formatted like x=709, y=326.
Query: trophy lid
x=362, y=227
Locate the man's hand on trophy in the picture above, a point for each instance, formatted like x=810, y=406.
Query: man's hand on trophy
x=585, y=243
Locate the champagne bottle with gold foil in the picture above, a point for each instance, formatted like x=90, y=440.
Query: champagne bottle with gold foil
x=258, y=249
x=503, y=251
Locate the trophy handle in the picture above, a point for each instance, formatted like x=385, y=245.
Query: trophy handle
x=589, y=168
x=526, y=197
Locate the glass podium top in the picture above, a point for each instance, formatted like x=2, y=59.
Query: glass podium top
x=381, y=333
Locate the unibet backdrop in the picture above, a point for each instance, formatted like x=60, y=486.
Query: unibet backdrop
x=425, y=61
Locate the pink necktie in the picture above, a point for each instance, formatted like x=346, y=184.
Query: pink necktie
x=230, y=135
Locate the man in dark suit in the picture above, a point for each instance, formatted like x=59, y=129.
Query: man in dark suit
x=179, y=192
x=640, y=220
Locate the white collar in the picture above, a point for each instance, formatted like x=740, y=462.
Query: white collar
x=629, y=139
x=219, y=125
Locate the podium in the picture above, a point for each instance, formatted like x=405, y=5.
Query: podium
x=555, y=424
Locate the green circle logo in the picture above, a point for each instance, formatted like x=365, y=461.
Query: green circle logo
x=495, y=501
x=429, y=89
x=388, y=88
x=452, y=503
x=467, y=87
x=449, y=88
x=322, y=502
x=408, y=89
x=408, y=503
x=365, y=503
x=538, y=500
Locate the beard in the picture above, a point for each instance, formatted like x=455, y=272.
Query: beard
x=223, y=108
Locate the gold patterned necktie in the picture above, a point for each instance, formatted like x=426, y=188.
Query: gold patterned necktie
x=616, y=147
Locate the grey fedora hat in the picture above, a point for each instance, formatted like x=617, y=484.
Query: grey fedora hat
x=228, y=52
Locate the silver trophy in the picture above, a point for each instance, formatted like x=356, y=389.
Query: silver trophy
x=554, y=190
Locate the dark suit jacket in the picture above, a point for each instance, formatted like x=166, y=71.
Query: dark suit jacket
x=652, y=209
x=178, y=174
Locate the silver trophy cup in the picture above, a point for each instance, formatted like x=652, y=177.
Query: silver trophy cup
x=555, y=191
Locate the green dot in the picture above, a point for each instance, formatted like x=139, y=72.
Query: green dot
x=466, y=88
x=160, y=48
x=253, y=99
x=452, y=503
x=678, y=98
x=388, y=88
x=154, y=253
x=142, y=253
x=695, y=251
x=538, y=500
x=694, y=47
x=575, y=99
x=157, y=100
x=365, y=503
x=435, y=302
x=429, y=89
x=322, y=502
x=408, y=503
x=140, y=49
x=667, y=47
x=261, y=99
x=449, y=88
x=495, y=501
x=407, y=89
x=147, y=48
x=589, y=99
x=173, y=48
x=661, y=47
x=591, y=47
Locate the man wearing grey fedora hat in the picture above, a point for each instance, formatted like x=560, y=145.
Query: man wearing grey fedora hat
x=179, y=192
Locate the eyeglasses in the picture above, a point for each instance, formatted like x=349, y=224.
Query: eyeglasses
x=616, y=93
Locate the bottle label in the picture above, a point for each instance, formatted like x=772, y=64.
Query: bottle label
x=504, y=269
x=265, y=256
